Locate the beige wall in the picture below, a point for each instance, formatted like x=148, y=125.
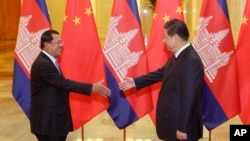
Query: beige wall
x=9, y=19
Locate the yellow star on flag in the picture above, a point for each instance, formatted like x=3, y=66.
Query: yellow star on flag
x=155, y=14
x=76, y=20
x=244, y=20
x=88, y=11
x=179, y=9
x=65, y=18
x=166, y=18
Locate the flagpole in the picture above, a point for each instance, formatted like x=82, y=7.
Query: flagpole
x=124, y=134
x=209, y=135
x=82, y=133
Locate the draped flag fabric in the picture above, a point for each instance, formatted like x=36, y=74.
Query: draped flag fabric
x=124, y=52
x=157, y=52
x=243, y=64
x=34, y=20
x=82, y=59
x=214, y=43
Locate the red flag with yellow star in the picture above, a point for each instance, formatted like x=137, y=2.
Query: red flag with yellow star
x=157, y=52
x=243, y=59
x=82, y=59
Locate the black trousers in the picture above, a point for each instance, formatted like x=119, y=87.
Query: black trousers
x=50, y=138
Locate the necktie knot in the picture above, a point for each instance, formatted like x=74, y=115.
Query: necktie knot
x=174, y=59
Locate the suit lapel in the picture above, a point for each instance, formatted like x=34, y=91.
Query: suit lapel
x=170, y=66
x=48, y=59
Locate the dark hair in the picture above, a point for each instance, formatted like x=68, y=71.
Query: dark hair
x=47, y=37
x=176, y=26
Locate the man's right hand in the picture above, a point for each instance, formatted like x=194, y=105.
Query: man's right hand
x=101, y=89
x=127, y=83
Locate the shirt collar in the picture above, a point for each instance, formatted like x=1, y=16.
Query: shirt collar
x=179, y=51
x=53, y=59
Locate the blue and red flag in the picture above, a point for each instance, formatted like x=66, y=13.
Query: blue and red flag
x=214, y=43
x=34, y=21
x=165, y=10
x=82, y=59
x=243, y=65
x=124, y=52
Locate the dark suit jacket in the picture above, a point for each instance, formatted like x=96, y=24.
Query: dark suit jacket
x=50, y=110
x=178, y=105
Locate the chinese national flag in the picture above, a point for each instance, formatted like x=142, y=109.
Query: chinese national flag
x=157, y=52
x=34, y=20
x=125, y=55
x=214, y=43
x=243, y=63
x=82, y=59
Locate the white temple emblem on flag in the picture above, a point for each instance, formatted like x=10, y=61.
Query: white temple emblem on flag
x=28, y=43
x=116, y=48
x=207, y=45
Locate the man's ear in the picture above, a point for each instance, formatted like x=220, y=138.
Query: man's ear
x=176, y=37
x=46, y=44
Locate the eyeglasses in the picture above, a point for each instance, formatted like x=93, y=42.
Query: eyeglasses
x=57, y=42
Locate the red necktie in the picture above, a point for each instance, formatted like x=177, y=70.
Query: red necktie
x=173, y=59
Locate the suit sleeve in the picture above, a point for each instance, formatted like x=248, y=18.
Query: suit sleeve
x=150, y=78
x=48, y=74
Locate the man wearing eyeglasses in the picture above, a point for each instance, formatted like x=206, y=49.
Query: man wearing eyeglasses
x=50, y=116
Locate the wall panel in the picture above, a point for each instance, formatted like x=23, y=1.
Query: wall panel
x=9, y=19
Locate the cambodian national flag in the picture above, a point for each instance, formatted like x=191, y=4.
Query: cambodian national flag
x=124, y=53
x=214, y=43
x=34, y=21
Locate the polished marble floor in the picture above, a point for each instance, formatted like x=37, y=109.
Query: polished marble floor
x=14, y=125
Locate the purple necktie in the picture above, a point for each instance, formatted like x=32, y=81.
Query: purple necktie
x=57, y=67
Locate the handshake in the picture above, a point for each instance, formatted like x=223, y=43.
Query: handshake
x=124, y=85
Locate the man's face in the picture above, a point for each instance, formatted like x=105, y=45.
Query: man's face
x=54, y=48
x=169, y=40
